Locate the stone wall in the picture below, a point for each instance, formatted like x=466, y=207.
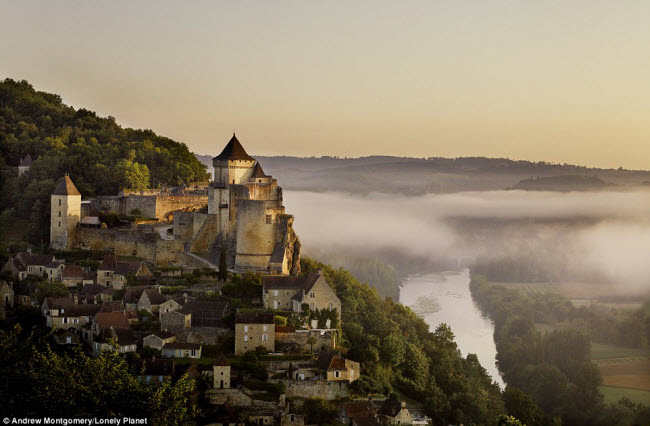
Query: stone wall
x=256, y=236
x=158, y=206
x=316, y=389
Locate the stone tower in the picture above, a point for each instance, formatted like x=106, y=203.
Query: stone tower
x=66, y=212
x=221, y=373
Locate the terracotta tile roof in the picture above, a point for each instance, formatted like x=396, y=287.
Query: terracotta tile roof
x=331, y=361
x=359, y=409
x=285, y=329
x=234, y=151
x=112, y=307
x=112, y=319
x=254, y=318
x=72, y=272
x=66, y=187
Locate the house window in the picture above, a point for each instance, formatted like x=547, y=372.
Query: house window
x=275, y=292
x=265, y=337
x=337, y=374
x=245, y=328
x=331, y=306
x=269, y=218
x=193, y=352
x=312, y=295
x=263, y=328
x=107, y=273
x=245, y=338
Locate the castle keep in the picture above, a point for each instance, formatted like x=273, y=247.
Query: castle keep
x=245, y=217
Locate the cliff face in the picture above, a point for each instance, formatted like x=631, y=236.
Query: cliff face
x=291, y=243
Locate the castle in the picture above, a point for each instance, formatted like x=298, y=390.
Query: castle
x=245, y=217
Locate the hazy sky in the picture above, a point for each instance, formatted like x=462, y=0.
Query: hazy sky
x=562, y=81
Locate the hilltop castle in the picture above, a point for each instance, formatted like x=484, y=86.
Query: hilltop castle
x=245, y=217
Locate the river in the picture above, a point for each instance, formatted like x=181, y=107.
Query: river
x=445, y=297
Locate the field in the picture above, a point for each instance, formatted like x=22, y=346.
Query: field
x=612, y=394
x=600, y=351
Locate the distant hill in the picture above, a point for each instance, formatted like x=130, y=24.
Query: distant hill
x=415, y=176
x=562, y=183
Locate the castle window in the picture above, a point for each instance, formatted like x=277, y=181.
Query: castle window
x=269, y=219
x=59, y=214
x=245, y=338
x=59, y=202
x=265, y=337
x=59, y=224
x=245, y=328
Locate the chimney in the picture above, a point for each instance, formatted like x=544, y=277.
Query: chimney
x=403, y=404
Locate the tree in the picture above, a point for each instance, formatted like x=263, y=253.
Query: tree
x=521, y=406
x=50, y=289
x=311, y=341
x=223, y=265
x=132, y=175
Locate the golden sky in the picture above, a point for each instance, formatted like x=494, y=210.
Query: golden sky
x=560, y=81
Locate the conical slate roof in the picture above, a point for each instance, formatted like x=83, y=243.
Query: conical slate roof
x=66, y=187
x=258, y=173
x=234, y=151
x=27, y=161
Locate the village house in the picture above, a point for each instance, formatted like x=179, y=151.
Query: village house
x=132, y=296
x=172, y=304
x=6, y=295
x=289, y=293
x=150, y=300
x=90, y=293
x=290, y=419
x=24, y=293
x=253, y=330
x=358, y=413
x=394, y=412
x=152, y=369
x=337, y=368
x=65, y=337
x=176, y=321
x=182, y=350
x=25, y=263
x=113, y=272
x=158, y=339
x=62, y=312
x=54, y=270
x=221, y=373
x=108, y=326
x=72, y=275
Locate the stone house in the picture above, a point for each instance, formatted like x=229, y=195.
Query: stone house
x=65, y=337
x=152, y=369
x=113, y=272
x=132, y=296
x=207, y=314
x=176, y=321
x=150, y=300
x=290, y=419
x=182, y=350
x=173, y=304
x=15, y=268
x=221, y=373
x=337, y=368
x=123, y=337
x=25, y=263
x=253, y=330
x=357, y=413
x=258, y=416
x=394, y=412
x=90, y=293
x=105, y=320
x=158, y=339
x=54, y=270
x=6, y=295
x=24, y=293
x=289, y=293
x=62, y=312
x=72, y=275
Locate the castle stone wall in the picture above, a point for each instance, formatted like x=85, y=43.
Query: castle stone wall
x=316, y=389
x=255, y=237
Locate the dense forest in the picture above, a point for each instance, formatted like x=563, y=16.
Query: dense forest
x=554, y=368
x=100, y=156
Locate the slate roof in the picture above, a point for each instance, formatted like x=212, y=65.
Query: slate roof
x=27, y=161
x=109, y=263
x=80, y=310
x=72, y=272
x=206, y=314
x=116, y=320
x=278, y=253
x=258, y=173
x=234, y=151
x=128, y=267
x=254, y=318
x=289, y=282
x=113, y=306
x=331, y=361
x=123, y=336
x=390, y=407
x=221, y=361
x=25, y=289
x=66, y=187
x=163, y=334
x=132, y=294
x=154, y=296
x=92, y=289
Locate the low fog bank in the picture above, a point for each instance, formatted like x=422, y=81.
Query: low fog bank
x=601, y=237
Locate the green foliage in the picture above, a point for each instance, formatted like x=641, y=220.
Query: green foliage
x=319, y=411
x=50, y=289
x=39, y=382
x=100, y=155
x=223, y=265
x=426, y=366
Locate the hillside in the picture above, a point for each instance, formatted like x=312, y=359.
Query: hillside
x=407, y=175
x=100, y=155
x=562, y=183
